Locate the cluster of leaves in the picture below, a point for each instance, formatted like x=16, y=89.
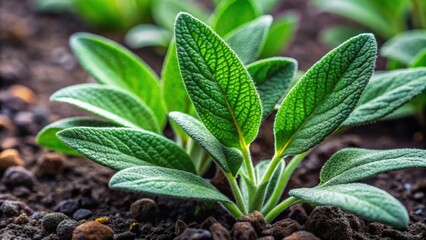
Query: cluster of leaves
x=231, y=99
x=384, y=18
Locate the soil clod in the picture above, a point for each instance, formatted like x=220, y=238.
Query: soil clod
x=93, y=231
x=282, y=228
x=243, y=231
x=194, y=234
x=18, y=176
x=143, y=209
x=65, y=229
x=219, y=232
x=302, y=235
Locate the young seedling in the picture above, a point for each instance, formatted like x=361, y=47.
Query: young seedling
x=231, y=108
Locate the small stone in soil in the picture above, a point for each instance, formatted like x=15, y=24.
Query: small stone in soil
x=50, y=164
x=243, y=231
x=65, y=228
x=81, y=214
x=219, y=232
x=23, y=93
x=143, y=209
x=266, y=238
x=302, y=235
x=9, y=158
x=5, y=122
x=125, y=236
x=180, y=227
x=22, y=219
x=256, y=219
x=13, y=208
x=51, y=220
x=18, y=176
x=38, y=215
x=194, y=234
x=94, y=231
x=282, y=228
x=68, y=207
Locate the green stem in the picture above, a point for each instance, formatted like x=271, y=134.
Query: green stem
x=283, y=181
x=249, y=164
x=271, y=168
x=205, y=162
x=233, y=209
x=236, y=191
x=281, y=207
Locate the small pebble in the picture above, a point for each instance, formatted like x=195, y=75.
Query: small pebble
x=22, y=219
x=125, y=236
x=92, y=231
x=9, y=158
x=50, y=164
x=24, y=93
x=38, y=215
x=18, y=176
x=243, y=231
x=219, y=232
x=68, y=207
x=9, y=142
x=65, y=228
x=180, y=227
x=5, y=122
x=10, y=208
x=81, y=214
x=302, y=235
x=194, y=234
x=143, y=208
x=51, y=220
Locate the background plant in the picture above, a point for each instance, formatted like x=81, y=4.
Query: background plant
x=230, y=108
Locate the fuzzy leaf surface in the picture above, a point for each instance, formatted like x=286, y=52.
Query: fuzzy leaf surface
x=111, y=103
x=363, y=200
x=354, y=164
x=325, y=96
x=166, y=182
x=387, y=92
x=217, y=83
x=47, y=136
x=112, y=64
x=229, y=159
x=272, y=78
x=120, y=148
x=247, y=40
x=405, y=46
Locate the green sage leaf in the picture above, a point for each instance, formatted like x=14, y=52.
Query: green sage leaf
x=229, y=159
x=47, y=136
x=112, y=64
x=247, y=40
x=363, y=200
x=387, y=92
x=405, y=46
x=325, y=96
x=419, y=60
x=147, y=35
x=120, y=148
x=217, y=83
x=110, y=103
x=354, y=164
x=272, y=77
x=166, y=182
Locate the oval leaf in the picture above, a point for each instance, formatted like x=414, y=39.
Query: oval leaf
x=385, y=93
x=120, y=148
x=47, y=136
x=247, y=40
x=147, y=35
x=352, y=164
x=110, y=63
x=229, y=159
x=325, y=96
x=272, y=78
x=217, y=83
x=166, y=182
x=405, y=46
x=363, y=200
x=111, y=103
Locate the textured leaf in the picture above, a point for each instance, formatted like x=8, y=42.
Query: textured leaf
x=229, y=159
x=354, y=164
x=365, y=201
x=120, y=148
x=112, y=64
x=280, y=35
x=325, y=96
x=405, y=46
x=217, y=82
x=147, y=35
x=166, y=182
x=385, y=93
x=111, y=103
x=419, y=60
x=272, y=78
x=231, y=14
x=47, y=136
x=247, y=40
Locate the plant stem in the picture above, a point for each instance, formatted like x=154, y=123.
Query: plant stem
x=236, y=191
x=271, y=168
x=233, y=209
x=205, y=162
x=281, y=207
x=283, y=181
x=249, y=164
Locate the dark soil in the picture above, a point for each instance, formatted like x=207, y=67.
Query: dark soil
x=36, y=57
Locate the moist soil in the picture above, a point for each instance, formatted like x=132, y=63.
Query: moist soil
x=35, y=61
